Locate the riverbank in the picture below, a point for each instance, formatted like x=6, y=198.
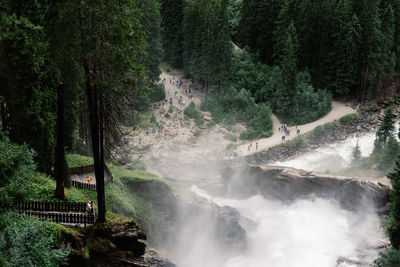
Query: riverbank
x=366, y=120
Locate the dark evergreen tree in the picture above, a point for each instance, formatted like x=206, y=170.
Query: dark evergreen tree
x=389, y=154
x=286, y=17
x=347, y=38
x=172, y=22
x=393, y=227
x=356, y=155
x=151, y=25
x=287, y=94
x=385, y=130
x=28, y=79
x=111, y=70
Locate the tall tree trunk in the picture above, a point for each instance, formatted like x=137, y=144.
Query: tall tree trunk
x=364, y=85
x=4, y=121
x=100, y=182
x=60, y=166
x=93, y=95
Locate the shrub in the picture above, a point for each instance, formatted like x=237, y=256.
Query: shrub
x=319, y=130
x=231, y=137
x=170, y=109
x=238, y=106
x=347, y=118
x=153, y=119
x=199, y=120
x=388, y=258
x=29, y=242
x=17, y=172
x=211, y=124
x=192, y=113
x=157, y=93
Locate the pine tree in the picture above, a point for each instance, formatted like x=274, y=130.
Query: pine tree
x=388, y=58
x=151, y=24
x=286, y=17
x=384, y=131
x=346, y=48
x=287, y=94
x=28, y=79
x=371, y=50
x=389, y=154
x=356, y=155
x=393, y=228
x=111, y=70
x=172, y=22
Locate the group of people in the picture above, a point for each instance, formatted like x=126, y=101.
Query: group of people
x=251, y=145
x=285, y=129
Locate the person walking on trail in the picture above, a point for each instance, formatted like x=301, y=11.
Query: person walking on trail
x=248, y=147
x=89, y=179
x=140, y=141
x=147, y=132
x=256, y=146
x=298, y=131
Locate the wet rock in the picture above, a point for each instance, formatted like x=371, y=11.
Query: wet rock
x=288, y=184
x=130, y=241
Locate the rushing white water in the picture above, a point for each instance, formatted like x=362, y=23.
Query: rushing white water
x=315, y=232
x=332, y=157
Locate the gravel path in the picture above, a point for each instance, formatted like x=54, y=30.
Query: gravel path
x=338, y=111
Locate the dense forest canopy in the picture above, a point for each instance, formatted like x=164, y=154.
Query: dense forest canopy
x=72, y=72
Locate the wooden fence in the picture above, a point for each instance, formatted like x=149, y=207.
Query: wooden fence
x=78, y=184
x=53, y=206
x=57, y=217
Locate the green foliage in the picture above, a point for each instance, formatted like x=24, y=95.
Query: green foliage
x=347, y=118
x=385, y=129
x=17, y=172
x=157, y=93
x=393, y=227
x=151, y=24
x=356, y=155
x=75, y=160
x=27, y=86
x=237, y=106
x=29, y=242
x=231, y=137
x=234, y=14
x=211, y=124
x=170, y=109
x=318, y=130
x=191, y=112
x=172, y=34
x=207, y=44
x=388, y=258
x=388, y=154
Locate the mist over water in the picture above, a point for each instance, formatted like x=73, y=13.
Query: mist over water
x=332, y=157
x=314, y=232
x=307, y=232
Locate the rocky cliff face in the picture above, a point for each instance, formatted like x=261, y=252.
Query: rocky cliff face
x=116, y=243
x=288, y=184
x=175, y=212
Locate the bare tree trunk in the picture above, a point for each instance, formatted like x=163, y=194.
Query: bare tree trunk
x=364, y=83
x=4, y=121
x=93, y=95
x=60, y=166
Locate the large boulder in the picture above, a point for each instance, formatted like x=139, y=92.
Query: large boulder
x=288, y=184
